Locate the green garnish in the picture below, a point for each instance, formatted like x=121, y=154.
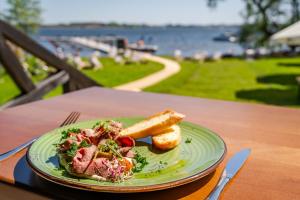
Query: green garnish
x=84, y=143
x=65, y=133
x=140, y=162
x=163, y=163
x=103, y=124
x=103, y=148
x=110, y=146
x=72, y=151
x=188, y=140
x=95, y=125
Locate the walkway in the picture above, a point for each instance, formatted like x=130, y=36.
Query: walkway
x=170, y=68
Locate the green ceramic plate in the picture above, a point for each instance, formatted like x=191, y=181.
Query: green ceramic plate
x=185, y=163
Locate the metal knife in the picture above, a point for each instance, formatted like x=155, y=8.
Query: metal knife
x=232, y=167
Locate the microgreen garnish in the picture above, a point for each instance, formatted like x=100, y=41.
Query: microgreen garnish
x=110, y=146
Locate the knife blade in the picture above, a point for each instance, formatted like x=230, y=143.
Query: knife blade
x=232, y=167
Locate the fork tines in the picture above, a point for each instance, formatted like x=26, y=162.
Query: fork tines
x=72, y=118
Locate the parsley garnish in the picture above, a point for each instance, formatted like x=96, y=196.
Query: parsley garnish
x=84, y=143
x=73, y=149
x=140, y=162
x=95, y=125
x=71, y=152
x=102, y=124
x=65, y=133
x=188, y=140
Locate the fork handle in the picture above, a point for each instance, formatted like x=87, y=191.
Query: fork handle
x=17, y=149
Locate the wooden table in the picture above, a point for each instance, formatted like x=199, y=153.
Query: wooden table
x=273, y=134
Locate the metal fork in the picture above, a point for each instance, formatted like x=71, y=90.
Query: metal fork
x=71, y=119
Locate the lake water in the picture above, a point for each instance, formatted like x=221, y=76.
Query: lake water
x=188, y=39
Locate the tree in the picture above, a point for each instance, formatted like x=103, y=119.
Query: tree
x=295, y=7
x=24, y=14
x=262, y=18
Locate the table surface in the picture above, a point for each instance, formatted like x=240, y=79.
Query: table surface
x=273, y=133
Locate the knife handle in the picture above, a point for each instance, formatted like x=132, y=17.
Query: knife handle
x=214, y=195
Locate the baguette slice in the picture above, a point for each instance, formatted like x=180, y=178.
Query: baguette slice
x=153, y=125
x=168, y=138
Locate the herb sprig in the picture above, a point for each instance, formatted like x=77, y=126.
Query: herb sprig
x=71, y=152
x=65, y=133
x=140, y=162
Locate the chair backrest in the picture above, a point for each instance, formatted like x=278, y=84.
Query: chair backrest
x=71, y=78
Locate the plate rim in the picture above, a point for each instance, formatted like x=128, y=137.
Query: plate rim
x=129, y=189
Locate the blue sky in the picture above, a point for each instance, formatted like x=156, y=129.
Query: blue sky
x=154, y=12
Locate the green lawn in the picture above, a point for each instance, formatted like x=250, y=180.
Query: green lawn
x=110, y=75
x=270, y=81
x=116, y=74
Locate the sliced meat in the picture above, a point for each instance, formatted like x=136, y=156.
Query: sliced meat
x=103, y=167
x=98, y=166
x=92, y=135
x=76, y=138
x=130, y=154
x=110, y=131
x=88, y=132
x=80, y=138
x=83, y=158
x=116, y=126
x=126, y=152
x=67, y=144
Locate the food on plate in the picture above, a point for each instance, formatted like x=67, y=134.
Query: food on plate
x=105, y=151
x=168, y=138
x=99, y=153
x=153, y=125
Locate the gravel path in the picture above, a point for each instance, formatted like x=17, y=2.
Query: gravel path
x=170, y=67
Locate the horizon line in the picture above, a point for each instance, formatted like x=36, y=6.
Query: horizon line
x=139, y=24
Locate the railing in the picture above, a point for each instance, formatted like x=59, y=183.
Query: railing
x=71, y=78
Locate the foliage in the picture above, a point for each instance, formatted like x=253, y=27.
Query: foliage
x=24, y=14
x=262, y=18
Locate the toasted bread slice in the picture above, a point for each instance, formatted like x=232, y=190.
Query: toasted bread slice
x=168, y=138
x=153, y=125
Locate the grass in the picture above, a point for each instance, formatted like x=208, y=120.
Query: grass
x=112, y=74
x=269, y=81
x=116, y=74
